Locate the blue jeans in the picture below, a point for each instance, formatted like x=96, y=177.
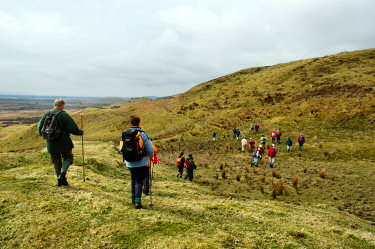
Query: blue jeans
x=138, y=175
x=300, y=147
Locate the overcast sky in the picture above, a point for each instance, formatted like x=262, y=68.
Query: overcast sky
x=160, y=48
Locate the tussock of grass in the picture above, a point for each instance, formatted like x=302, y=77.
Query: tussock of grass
x=238, y=177
x=323, y=173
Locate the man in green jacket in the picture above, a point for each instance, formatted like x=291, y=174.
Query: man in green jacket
x=60, y=149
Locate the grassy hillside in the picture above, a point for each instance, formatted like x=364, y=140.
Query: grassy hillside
x=99, y=214
x=320, y=198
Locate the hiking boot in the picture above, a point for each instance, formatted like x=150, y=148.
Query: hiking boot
x=59, y=182
x=62, y=180
x=138, y=206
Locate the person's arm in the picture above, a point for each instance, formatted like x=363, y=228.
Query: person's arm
x=71, y=126
x=40, y=125
x=147, y=145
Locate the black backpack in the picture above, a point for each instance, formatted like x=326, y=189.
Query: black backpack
x=132, y=147
x=50, y=129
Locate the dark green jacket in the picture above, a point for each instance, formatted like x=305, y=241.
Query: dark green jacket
x=192, y=165
x=67, y=124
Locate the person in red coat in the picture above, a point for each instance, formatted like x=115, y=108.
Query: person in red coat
x=272, y=155
x=273, y=136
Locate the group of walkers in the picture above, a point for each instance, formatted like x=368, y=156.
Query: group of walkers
x=137, y=149
x=187, y=164
x=272, y=150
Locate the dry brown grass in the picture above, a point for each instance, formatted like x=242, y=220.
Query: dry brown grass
x=238, y=177
x=278, y=188
x=276, y=173
x=262, y=179
x=323, y=173
x=224, y=174
x=295, y=183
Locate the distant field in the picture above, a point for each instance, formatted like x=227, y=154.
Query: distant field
x=28, y=109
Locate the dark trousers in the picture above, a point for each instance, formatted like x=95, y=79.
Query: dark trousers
x=189, y=174
x=180, y=170
x=278, y=140
x=146, y=182
x=61, y=161
x=138, y=175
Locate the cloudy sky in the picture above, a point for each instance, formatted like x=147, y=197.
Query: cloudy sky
x=160, y=48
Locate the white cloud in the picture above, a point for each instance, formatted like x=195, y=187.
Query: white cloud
x=134, y=48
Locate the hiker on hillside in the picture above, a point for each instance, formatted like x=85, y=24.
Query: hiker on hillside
x=190, y=167
x=256, y=127
x=180, y=164
x=257, y=155
x=234, y=132
x=263, y=140
x=243, y=135
x=251, y=144
x=136, y=147
x=289, y=144
x=252, y=127
x=301, y=141
x=214, y=136
x=278, y=136
x=60, y=147
x=146, y=182
x=272, y=155
x=244, y=143
x=273, y=136
x=238, y=133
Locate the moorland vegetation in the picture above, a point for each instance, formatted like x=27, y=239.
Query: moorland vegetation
x=321, y=197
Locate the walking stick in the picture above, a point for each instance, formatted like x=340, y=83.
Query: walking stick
x=83, y=153
x=152, y=173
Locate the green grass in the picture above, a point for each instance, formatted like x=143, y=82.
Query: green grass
x=98, y=213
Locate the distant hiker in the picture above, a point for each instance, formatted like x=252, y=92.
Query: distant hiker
x=238, y=133
x=251, y=144
x=257, y=155
x=56, y=126
x=252, y=127
x=273, y=136
x=243, y=135
x=214, y=136
x=180, y=164
x=190, y=167
x=234, y=132
x=289, y=144
x=301, y=141
x=263, y=140
x=146, y=181
x=272, y=155
x=244, y=143
x=278, y=136
x=256, y=127
x=136, y=147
